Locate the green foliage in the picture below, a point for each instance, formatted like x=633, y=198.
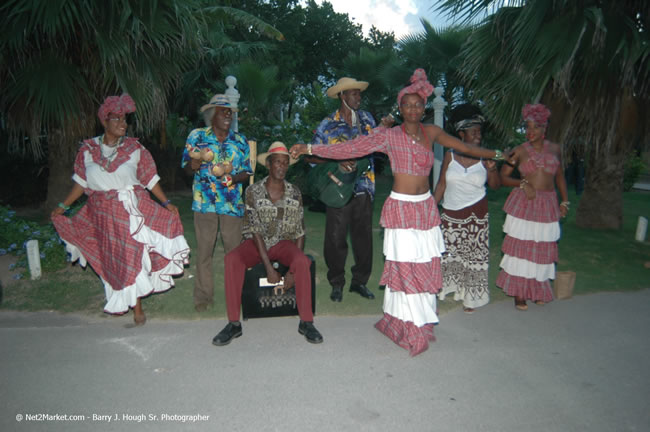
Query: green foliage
x=634, y=166
x=15, y=232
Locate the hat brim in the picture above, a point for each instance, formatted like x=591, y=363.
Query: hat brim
x=334, y=91
x=208, y=106
x=261, y=159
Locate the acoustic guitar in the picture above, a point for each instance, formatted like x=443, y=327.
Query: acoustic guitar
x=334, y=186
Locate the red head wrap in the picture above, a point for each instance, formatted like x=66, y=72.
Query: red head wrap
x=116, y=105
x=537, y=113
x=419, y=86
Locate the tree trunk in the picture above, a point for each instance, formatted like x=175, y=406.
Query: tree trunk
x=61, y=155
x=601, y=204
x=63, y=144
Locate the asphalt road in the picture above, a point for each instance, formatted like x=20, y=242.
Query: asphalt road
x=574, y=365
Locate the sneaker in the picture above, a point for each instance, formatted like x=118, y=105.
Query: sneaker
x=229, y=332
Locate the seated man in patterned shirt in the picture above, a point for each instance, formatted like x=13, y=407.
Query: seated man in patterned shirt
x=274, y=230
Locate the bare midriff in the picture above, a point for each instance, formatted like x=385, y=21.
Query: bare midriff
x=408, y=184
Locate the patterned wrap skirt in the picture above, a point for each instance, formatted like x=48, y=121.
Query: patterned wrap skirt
x=530, y=246
x=413, y=245
x=465, y=264
x=133, y=244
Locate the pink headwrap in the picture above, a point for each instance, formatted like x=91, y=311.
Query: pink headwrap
x=419, y=85
x=537, y=113
x=117, y=105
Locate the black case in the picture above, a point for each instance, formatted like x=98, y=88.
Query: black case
x=262, y=302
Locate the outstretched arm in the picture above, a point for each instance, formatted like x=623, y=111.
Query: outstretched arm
x=446, y=140
x=356, y=148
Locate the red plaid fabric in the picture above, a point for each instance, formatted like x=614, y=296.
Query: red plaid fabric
x=100, y=230
x=543, y=208
x=537, y=252
x=405, y=156
x=406, y=334
x=146, y=166
x=412, y=278
x=529, y=289
x=420, y=215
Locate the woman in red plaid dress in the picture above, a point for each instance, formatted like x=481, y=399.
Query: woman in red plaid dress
x=532, y=223
x=413, y=241
x=134, y=244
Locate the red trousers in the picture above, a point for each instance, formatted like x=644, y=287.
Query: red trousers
x=246, y=256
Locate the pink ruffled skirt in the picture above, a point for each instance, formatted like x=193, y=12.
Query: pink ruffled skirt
x=530, y=246
x=413, y=246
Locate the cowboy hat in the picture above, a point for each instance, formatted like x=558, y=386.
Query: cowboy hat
x=219, y=100
x=346, y=83
x=276, y=148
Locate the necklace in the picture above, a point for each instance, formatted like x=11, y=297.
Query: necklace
x=415, y=138
x=106, y=159
x=537, y=156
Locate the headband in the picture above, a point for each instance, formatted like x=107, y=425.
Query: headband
x=475, y=120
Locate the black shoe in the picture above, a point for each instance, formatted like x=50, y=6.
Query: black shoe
x=362, y=290
x=337, y=294
x=229, y=332
x=311, y=334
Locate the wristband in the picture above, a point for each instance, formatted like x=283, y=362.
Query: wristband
x=523, y=183
x=309, y=149
x=63, y=206
x=565, y=204
x=166, y=203
x=498, y=156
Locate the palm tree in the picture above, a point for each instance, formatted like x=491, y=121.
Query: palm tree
x=437, y=52
x=59, y=59
x=587, y=60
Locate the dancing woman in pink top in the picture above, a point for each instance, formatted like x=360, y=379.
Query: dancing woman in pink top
x=532, y=228
x=413, y=241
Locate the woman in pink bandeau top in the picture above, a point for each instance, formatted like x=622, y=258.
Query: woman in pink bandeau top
x=413, y=241
x=532, y=223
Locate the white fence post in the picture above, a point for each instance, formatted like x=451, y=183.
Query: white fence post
x=233, y=96
x=33, y=259
x=641, y=229
x=439, y=105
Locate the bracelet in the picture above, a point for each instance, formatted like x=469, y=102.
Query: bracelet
x=498, y=156
x=309, y=149
x=166, y=203
x=565, y=204
x=523, y=183
x=63, y=206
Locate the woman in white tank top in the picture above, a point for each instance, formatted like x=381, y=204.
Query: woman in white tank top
x=465, y=226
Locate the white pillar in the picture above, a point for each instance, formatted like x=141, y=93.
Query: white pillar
x=233, y=96
x=33, y=259
x=439, y=105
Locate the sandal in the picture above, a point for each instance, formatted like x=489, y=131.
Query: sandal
x=468, y=310
x=521, y=304
x=540, y=302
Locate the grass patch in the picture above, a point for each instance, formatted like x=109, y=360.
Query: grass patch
x=603, y=261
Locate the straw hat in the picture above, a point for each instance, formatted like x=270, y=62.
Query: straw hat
x=346, y=83
x=276, y=148
x=219, y=100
